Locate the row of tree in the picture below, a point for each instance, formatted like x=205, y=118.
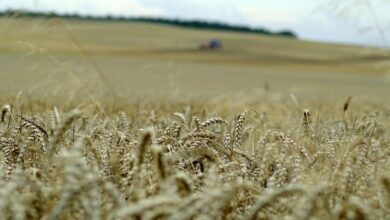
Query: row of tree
x=182, y=23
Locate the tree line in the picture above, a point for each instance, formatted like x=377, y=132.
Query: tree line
x=197, y=24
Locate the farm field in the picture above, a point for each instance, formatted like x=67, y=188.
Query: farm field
x=115, y=120
x=127, y=54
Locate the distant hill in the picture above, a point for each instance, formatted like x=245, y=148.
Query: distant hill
x=197, y=24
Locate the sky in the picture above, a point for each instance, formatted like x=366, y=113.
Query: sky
x=346, y=21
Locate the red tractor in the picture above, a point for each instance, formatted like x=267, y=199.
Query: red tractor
x=213, y=44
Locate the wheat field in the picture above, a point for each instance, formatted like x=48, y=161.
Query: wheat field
x=92, y=129
x=122, y=57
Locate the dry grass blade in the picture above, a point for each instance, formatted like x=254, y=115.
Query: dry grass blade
x=347, y=103
x=33, y=124
x=183, y=184
x=269, y=197
x=144, y=143
x=136, y=210
x=159, y=161
x=61, y=129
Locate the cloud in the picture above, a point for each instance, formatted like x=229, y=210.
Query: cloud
x=215, y=10
x=258, y=15
x=93, y=7
x=127, y=7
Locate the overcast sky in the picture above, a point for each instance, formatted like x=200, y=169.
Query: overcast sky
x=310, y=19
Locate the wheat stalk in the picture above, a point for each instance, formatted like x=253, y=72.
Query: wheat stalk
x=4, y=110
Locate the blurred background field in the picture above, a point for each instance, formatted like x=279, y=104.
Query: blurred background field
x=56, y=57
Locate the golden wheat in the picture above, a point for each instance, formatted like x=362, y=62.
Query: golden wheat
x=123, y=164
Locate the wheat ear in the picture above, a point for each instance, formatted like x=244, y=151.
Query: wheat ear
x=61, y=129
x=144, y=143
x=4, y=110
